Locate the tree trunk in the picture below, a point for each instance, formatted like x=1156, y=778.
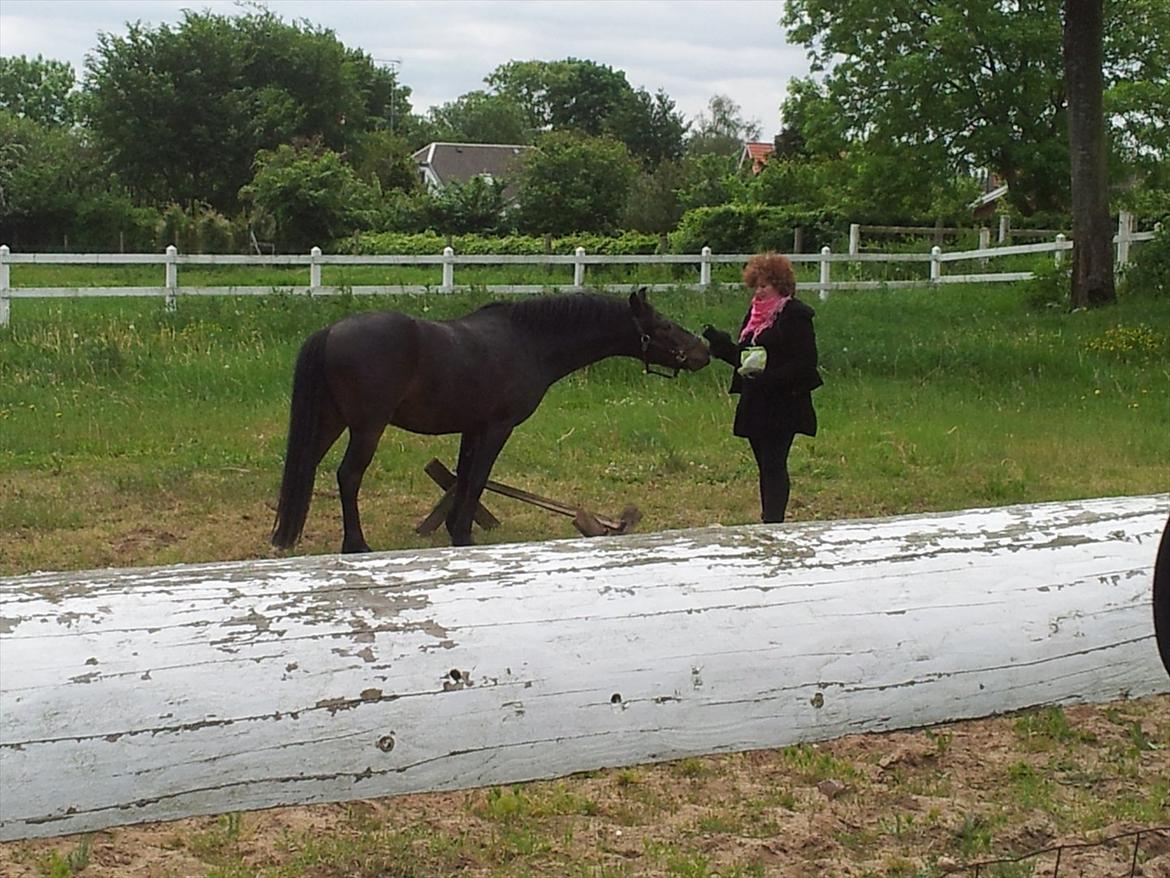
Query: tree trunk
x=1092, y=274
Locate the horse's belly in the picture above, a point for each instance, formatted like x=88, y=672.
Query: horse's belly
x=471, y=414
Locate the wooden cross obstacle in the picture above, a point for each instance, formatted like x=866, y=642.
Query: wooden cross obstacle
x=587, y=523
x=152, y=694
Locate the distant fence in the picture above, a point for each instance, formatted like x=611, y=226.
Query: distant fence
x=448, y=261
x=1126, y=229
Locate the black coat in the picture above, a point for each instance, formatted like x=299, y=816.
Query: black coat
x=779, y=399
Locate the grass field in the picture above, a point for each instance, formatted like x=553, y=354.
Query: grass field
x=134, y=436
x=130, y=435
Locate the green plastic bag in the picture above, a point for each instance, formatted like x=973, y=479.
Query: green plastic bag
x=752, y=361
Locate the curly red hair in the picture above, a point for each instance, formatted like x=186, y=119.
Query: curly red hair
x=770, y=268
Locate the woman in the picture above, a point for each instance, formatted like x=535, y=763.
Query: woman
x=775, y=362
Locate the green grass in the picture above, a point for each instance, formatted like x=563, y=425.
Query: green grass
x=132, y=435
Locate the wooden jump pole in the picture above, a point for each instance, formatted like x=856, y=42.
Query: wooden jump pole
x=151, y=694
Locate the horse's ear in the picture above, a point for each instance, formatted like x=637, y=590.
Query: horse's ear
x=638, y=300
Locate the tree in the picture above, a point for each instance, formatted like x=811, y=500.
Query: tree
x=592, y=99
x=982, y=81
x=382, y=158
x=459, y=209
x=573, y=184
x=653, y=204
x=54, y=185
x=650, y=127
x=480, y=117
x=562, y=94
x=1092, y=273
x=309, y=196
x=183, y=110
x=38, y=89
x=722, y=130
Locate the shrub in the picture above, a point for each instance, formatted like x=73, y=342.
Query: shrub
x=200, y=230
x=1149, y=272
x=1050, y=285
x=425, y=243
x=750, y=228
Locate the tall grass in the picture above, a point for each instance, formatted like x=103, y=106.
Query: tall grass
x=129, y=434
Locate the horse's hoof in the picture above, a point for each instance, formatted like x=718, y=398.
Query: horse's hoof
x=353, y=550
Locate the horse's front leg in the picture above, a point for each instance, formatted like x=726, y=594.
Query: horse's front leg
x=477, y=454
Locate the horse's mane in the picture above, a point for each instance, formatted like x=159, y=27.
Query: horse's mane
x=558, y=312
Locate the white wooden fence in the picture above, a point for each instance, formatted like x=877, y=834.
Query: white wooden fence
x=448, y=261
x=152, y=694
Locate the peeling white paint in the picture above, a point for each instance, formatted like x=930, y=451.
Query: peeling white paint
x=136, y=695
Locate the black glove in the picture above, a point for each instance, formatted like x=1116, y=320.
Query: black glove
x=721, y=344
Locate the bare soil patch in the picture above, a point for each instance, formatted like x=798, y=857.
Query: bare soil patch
x=913, y=803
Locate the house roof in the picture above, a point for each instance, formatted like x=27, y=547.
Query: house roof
x=443, y=163
x=756, y=152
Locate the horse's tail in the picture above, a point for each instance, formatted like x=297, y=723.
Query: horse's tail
x=300, y=460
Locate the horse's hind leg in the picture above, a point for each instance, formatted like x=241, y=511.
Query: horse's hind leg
x=358, y=454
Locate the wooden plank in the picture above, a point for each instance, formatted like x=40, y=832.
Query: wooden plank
x=445, y=479
x=152, y=694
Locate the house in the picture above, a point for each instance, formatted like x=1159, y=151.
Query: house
x=994, y=189
x=756, y=153
x=440, y=164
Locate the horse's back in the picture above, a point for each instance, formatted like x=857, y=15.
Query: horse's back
x=431, y=376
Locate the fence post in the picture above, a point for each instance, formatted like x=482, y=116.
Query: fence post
x=172, y=283
x=824, y=289
x=448, y=270
x=854, y=238
x=579, y=268
x=1058, y=256
x=1004, y=229
x=935, y=264
x=705, y=267
x=1124, y=230
x=314, y=270
x=984, y=244
x=5, y=286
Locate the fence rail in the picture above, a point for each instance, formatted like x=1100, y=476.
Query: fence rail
x=580, y=261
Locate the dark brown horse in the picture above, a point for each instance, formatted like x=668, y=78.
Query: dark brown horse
x=480, y=375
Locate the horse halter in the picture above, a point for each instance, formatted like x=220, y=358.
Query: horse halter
x=644, y=338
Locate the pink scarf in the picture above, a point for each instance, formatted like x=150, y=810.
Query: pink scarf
x=764, y=312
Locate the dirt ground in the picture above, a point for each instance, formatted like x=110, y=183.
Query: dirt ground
x=914, y=803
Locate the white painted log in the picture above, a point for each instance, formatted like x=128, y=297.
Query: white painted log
x=152, y=694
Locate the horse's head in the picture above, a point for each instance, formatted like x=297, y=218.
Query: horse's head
x=664, y=342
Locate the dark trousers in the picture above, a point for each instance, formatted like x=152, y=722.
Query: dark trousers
x=772, y=459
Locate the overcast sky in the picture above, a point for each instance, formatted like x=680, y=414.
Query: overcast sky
x=692, y=49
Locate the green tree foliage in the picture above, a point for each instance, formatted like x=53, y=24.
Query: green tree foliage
x=38, y=89
x=653, y=204
x=308, y=196
x=750, y=228
x=199, y=230
x=183, y=110
x=481, y=117
x=722, y=130
x=650, y=126
x=592, y=99
x=708, y=179
x=383, y=159
x=983, y=83
x=574, y=183
x=53, y=188
x=460, y=209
